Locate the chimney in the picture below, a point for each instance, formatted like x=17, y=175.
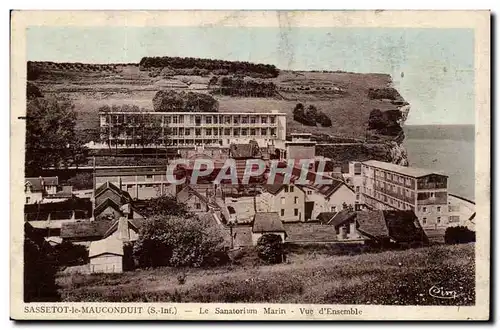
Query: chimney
x=123, y=230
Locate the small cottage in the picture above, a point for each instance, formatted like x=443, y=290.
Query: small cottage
x=106, y=256
x=267, y=223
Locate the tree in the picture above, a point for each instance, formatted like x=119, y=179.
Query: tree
x=178, y=242
x=270, y=248
x=163, y=206
x=81, y=181
x=51, y=139
x=459, y=235
x=39, y=268
x=32, y=91
x=69, y=254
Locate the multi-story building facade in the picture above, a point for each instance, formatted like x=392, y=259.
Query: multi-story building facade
x=138, y=129
x=389, y=186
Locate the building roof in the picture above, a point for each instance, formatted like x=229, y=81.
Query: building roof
x=404, y=226
x=265, y=222
x=85, y=229
x=462, y=198
x=409, y=171
x=272, y=112
x=399, y=225
x=341, y=217
x=109, y=186
x=38, y=183
x=372, y=224
x=310, y=232
x=110, y=245
x=324, y=217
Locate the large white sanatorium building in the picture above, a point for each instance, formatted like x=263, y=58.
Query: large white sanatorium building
x=126, y=129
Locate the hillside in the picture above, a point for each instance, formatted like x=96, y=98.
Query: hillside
x=346, y=98
x=388, y=278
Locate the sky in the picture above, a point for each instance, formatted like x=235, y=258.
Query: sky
x=432, y=68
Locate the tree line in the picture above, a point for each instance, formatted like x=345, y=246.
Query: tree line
x=237, y=86
x=231, y=67
x=174, y=101
x=51, y=137
x=310, y=116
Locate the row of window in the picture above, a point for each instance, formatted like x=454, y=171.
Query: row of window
x=207, y=119
x=209, y=132
x=295, y=200
x=424, y=220
x=388, y=176
x=394, y=202
x=424, y=209
x=295, y=212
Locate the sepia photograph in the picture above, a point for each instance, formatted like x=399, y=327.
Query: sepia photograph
x=244, y=169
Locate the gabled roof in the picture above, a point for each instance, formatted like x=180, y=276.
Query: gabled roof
x=324, y=217
x=404, y=226
x=341, y=217
x=372, y=224
x=399, y=225
x=327, y=189
x=104, y=205
x=265, y=222
x=109, y=245
x=85, y=229
x=38, y=183
x=109, y=186
x=409, y=171
x=114, y=227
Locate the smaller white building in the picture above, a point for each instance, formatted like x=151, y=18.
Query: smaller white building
x=461, y=212
x=106, y=256
x=267, y=223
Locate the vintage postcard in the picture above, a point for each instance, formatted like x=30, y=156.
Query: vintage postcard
x=250, y=165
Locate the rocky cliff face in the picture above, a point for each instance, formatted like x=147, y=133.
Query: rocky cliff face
x=399, y=155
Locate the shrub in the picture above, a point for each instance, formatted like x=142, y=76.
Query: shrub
x=81, y=181
x=32, y=91
x=385, y=123
x=39, y=268
x=383, y=93
x=176, y=241
x=69, y=254
x=270, y=248
x=459, y=235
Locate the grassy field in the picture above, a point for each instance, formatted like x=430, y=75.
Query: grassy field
x=348, y=109
x=391, y=278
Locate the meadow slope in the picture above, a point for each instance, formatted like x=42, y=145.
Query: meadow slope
x=342, y=96
x=391, y=278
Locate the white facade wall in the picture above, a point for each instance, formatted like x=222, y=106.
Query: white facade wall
x=200, y=128
x=106, y=263
x=334, y=203
x=460, y=211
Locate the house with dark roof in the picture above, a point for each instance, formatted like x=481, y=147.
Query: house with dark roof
x=267, y=223
x=109, y=199
x=391, y=226
x=344, y=223
x=286, y=200
x=329, y=197
x=36, y=189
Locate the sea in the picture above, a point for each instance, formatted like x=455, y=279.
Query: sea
x=446, y=148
